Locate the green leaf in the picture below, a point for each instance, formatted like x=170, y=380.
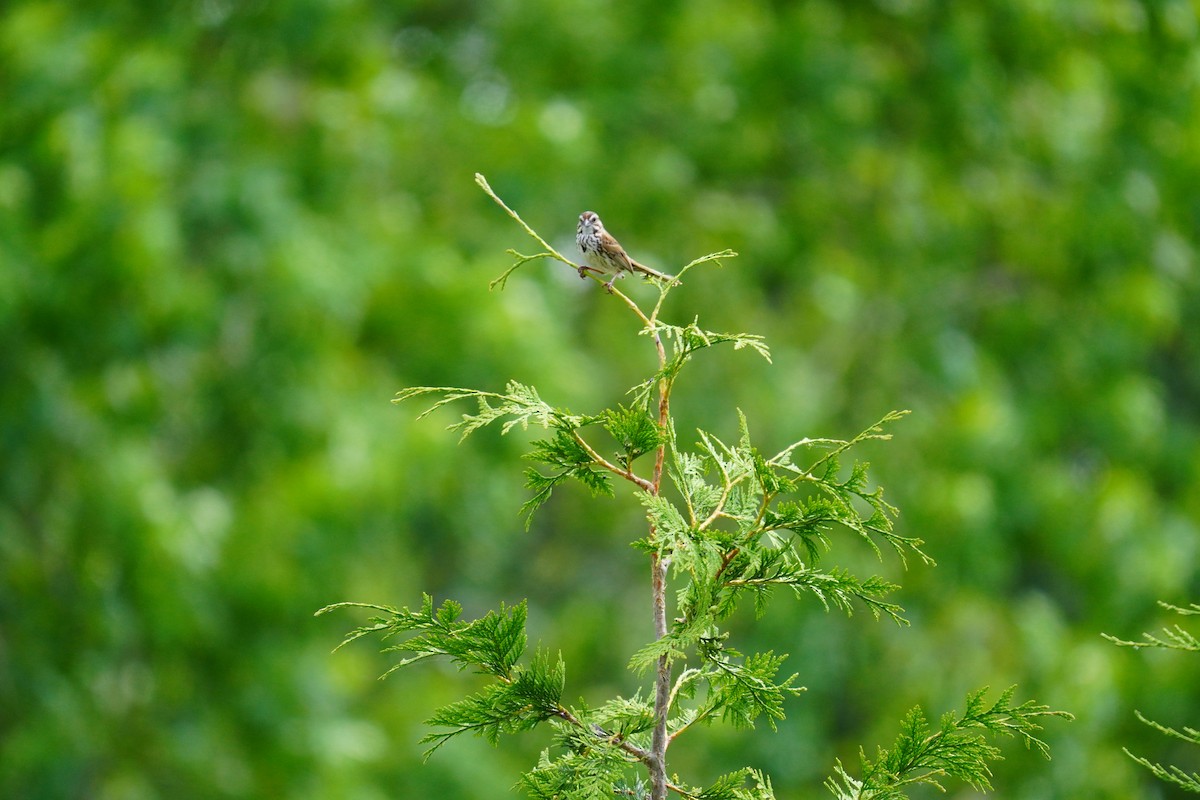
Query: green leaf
x=491, y=644
x=598, y=773
x=1171, y=773
x=684, y=341
x=671, y=531
x=957, y=749
x=743, y=692
x=520, y=402
x=634, y=430
x=1173, y=637
x=530, y=697
x=626, y=716
x=564, y=452
x=684, y=635
x=688, y=473
x=734, y=787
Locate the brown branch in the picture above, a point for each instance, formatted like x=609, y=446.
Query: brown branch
x=659, y=785
x=628, y=475
x=612, y=738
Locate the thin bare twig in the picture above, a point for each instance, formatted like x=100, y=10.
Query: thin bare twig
x=628, y=475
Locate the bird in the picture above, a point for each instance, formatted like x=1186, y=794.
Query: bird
x=604, y=254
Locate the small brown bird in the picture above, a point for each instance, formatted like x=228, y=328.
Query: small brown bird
x=604, y=254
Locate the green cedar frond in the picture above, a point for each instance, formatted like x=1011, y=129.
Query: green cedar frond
x=667, y=520
x=834, y=589
x=1189, y=735
x=808, y=520
x=519, y=703
x=839, y=507
x=838, y=447
x=672, y=534
x=1173, y=637
x=492, y=644
x=542, y=487
x=564, y=452
x=597, y=773
x=626, y=716
x=521, y=405
x=769, y=480
x=733, y=787
x=683, y=636
x=726, y=253
x=1192, y=609
x=729, y=461
x=520, y=402
x=879, y=523
x=1170, y=773
x=634, y=430
x=956, y=749
x=686, y=340
x=726, y=787
x=675, y=648
x=754, y=492
x=687, y=472
x=743, y=692
x=760, y=498
x=592, y=760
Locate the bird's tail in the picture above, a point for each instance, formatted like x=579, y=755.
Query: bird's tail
x=653, y=273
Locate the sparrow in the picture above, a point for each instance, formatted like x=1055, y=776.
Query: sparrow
x=604, y=254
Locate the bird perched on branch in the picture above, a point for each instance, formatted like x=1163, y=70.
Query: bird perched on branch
x=604, y=254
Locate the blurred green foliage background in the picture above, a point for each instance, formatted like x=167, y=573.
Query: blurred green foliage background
x=229, y=232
